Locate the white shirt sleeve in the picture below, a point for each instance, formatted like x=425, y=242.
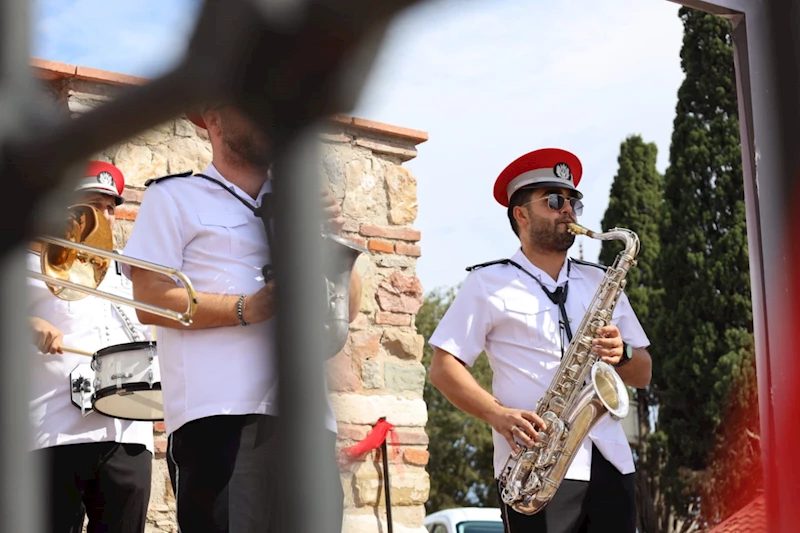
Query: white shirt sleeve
x=463, y=329
x=628, y=324
x=158, y=231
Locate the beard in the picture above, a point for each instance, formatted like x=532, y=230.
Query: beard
x=248, y=145
x=551, y=236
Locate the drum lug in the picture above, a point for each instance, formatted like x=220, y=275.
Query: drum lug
x=150, y=376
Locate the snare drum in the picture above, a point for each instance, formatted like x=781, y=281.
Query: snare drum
x=127, y=382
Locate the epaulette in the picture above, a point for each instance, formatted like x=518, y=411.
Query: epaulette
x=162, y=178
x=587, y=263
x=495, y=262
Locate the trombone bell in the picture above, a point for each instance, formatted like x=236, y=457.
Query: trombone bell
x=73, y=266
x=85, y=225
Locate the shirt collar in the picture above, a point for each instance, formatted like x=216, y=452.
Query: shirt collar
x=543, y=277
x=212, y=172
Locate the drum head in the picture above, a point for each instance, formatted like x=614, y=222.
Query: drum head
x=126, y=347
x=135, y=401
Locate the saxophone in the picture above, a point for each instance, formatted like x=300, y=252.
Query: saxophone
x=571, y=407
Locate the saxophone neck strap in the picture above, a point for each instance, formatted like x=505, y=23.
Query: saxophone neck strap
x=558, y=296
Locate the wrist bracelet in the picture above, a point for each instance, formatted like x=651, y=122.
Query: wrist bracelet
x=240, y=310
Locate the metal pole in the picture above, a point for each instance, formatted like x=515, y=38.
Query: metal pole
x=387, y=486
x=298, y=262
x=20, y=470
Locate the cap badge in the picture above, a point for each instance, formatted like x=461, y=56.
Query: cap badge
x=562, y=171
x=106, y=178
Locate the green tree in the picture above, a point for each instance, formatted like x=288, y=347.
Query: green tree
x=461, y=449
x=704, y=330
x=635, y=203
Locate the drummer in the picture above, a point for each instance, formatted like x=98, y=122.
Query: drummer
x=94, y=464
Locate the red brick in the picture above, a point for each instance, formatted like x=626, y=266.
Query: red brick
x=416, y=457
x=124, y=212
x=160, y=445
x=158, y=427
x=379, y=245
x=392, y=319
x=408, y=249
x=133, y=195
x=356, y=239
x=391, y=232
x=350, y=432
x=388, y=129
x=52, y=70
x=94, y=74
x=411, y=436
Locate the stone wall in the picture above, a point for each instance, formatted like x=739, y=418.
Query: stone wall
x=378, y=373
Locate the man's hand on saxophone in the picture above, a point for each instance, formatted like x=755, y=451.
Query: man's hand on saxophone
x=448, y=374
x=516, y=426
x=634, y=367
x=608, y=345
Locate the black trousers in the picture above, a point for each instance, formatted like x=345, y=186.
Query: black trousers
x=108, y=481
x=604, y=504
x=225, y=474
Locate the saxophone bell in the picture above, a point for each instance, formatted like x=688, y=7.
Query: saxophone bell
x=344, y=254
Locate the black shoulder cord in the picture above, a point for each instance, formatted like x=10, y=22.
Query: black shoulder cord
x=558, y=297
x=264, y=212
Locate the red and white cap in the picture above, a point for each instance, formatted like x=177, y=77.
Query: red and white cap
x=548, y=167
x=103, y=177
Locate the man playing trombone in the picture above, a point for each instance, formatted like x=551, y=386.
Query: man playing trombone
x=94, y=463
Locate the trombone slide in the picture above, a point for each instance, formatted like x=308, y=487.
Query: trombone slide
x=184, y=318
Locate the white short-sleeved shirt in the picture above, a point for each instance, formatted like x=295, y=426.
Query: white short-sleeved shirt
x=501, y=310
x=197, y=227
x=88, y=324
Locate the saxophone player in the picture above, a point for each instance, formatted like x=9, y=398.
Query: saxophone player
x=522, y=312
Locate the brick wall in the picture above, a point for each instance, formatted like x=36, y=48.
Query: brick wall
x=378, y=372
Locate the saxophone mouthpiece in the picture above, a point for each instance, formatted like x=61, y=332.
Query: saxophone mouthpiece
x=577, y=229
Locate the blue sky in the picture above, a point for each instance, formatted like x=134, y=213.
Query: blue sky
x=487, y=80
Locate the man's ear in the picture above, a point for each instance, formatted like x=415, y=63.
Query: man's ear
x=211, y=119
x=521, y=215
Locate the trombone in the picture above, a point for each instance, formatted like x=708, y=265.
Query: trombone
x=73, y=266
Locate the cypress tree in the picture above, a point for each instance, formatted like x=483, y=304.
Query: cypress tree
x=704, y=332
x=635, y=204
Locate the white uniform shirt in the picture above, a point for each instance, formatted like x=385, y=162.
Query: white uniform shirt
x=501, y=310
x=88, y=324
x=195, y=226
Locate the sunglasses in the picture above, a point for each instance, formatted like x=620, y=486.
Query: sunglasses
x=556, y=203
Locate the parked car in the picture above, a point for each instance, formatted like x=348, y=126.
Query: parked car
x=465, y=520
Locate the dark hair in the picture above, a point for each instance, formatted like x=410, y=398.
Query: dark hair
x=520, y=197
